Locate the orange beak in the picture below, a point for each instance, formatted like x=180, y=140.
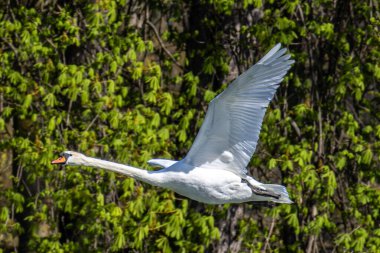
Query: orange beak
x=60, y=160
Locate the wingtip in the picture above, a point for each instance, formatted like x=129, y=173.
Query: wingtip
x=274, y=49
x=278, y=45
x=273, y=52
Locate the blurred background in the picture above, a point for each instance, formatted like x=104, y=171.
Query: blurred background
x=131, y=80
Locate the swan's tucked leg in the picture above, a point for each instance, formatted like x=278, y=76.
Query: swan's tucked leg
x=253, y=182
x=259, y=188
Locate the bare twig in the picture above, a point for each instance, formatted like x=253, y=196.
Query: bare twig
x=266, y=245
x=296, y=128
x=51, y=43
x=320, y=130
x=11, y=46
x=1, y=102
x=68, y=113
x=313, y=238
x=356, y=116
x=26, y=187
x=162, y=44
x=301, y=14
x=92, y=122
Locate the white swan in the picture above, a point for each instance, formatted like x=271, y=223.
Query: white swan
x=214, y=171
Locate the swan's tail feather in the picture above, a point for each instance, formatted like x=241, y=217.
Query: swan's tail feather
x=276, y=189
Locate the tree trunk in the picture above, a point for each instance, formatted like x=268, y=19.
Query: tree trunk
x=7, y=239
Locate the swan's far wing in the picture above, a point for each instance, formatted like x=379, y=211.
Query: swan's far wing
x=230, y=131
x=164, y=163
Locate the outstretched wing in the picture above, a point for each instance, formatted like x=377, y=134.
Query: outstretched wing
x=230, y=131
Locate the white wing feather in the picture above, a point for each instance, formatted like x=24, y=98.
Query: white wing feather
x=164, y=163
x=230, y=131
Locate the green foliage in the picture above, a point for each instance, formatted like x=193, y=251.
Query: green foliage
x=97, y=77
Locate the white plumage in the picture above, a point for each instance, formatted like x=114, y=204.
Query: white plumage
x=214, y=171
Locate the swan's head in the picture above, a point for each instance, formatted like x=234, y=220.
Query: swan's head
x=70, y=158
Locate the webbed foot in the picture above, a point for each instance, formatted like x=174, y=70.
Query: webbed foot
x=259, y=189
x=264, y=192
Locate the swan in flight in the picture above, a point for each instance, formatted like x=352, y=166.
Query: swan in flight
x=214, y=171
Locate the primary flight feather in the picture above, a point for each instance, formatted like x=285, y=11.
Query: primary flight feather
x=214, y=171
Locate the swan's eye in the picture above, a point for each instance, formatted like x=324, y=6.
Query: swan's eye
x=67, y=155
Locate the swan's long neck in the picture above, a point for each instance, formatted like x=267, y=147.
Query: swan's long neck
x=150, y=177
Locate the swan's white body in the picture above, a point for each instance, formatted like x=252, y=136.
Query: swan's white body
x=214, y=171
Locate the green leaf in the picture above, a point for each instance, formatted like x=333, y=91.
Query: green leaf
x=2, y=124
x=344, y=239
x=111, y=87
x=27, y=101
x=163, y=244
x=4, y=214
x=331, y=182
x=293, y=222
x=367, y=156
x=100, y=199
x=361, y=236
x=156, y=120
x=164, y=134
x=113, y=67
x=120, y=241
x=116, y=211
x=51, y=125
x=209, y=95
x=182, y=136
x=166, y=103
x=341, y=162
x=131, y=55
x=272, y=163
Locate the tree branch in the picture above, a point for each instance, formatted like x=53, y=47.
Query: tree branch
x=162, y=44
x=269, y=235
